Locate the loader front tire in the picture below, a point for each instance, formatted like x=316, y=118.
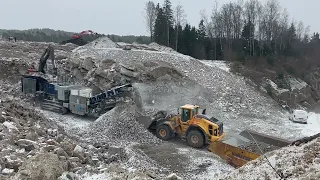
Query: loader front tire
x=195, y=139
x=164, y=132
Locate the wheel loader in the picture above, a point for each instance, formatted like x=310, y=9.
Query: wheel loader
x=200, y=131
x=188, y=124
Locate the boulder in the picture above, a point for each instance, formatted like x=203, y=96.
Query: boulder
x=292, y=91
x=75, y=62
x=106, y=63
x=12, y=162
x=67, y=146
x=2, y=119
x=7, y=171
x=173, y=176
x=52, y=132
x=10, y=126
x=69, y=176
x=44, y=166
x=27, y=144
x=87, y=63
x=129, y=73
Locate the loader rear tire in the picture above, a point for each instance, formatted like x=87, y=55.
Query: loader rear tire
x=164, y=132
x=195, y=139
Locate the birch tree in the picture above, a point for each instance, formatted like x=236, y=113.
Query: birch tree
x=150, y=17
x=300, y=30
x=251, y=13
x=179, y=20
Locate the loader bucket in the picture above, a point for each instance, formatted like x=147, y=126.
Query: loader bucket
x=150, y=122
x=146, y=121
x=235, y=156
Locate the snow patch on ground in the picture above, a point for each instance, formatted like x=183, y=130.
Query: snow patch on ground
x=311, y=128
x=217, y=63
x=102, y=176
x=70, y=122
x=297, y=83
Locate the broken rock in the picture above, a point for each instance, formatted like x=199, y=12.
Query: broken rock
x=52, y=132
x=44, y=166
x=2, y=119
x=67, y=146
x=87, y=63
x=59, y=138
x=173, y=176
x=60, y=152
x=7, y=171
x=27, y=144
x=1, y=136
x=12, y=162
x=10, y=126
x=68, y=176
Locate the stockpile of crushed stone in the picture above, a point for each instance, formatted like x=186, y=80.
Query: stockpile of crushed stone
x=102, y=42
x=293, y=162
x=162, y=48
x=119, y=126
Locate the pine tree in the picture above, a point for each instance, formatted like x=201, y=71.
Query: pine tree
x=168, y=13
x=202, y=30
x=160, y=27
x=248, y=36
x=200, y=42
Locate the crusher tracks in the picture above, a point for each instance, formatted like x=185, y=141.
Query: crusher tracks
x=53, y=106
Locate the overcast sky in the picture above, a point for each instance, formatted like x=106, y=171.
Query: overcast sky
x=122, y=17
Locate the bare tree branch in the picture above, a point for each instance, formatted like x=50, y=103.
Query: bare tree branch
x=180, y=20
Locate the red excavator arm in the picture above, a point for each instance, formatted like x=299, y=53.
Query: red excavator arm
x=75, y=36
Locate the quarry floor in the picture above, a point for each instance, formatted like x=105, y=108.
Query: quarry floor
x=176, y=156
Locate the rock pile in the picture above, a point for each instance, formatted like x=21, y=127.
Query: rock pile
x=102, y=42
x=27, y=138
x=120, y=126
x=162, y=48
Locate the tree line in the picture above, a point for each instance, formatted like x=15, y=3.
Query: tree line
x=57, y=36
x=233, y=31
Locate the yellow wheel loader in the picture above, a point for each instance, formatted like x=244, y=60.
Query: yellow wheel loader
x=199, y=131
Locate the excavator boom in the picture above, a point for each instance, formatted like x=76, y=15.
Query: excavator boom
x=48, y=53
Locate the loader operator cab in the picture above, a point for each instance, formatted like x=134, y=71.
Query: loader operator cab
x=188, y=111
x=187, y=124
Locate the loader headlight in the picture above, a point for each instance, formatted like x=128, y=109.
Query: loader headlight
x=215, y=132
